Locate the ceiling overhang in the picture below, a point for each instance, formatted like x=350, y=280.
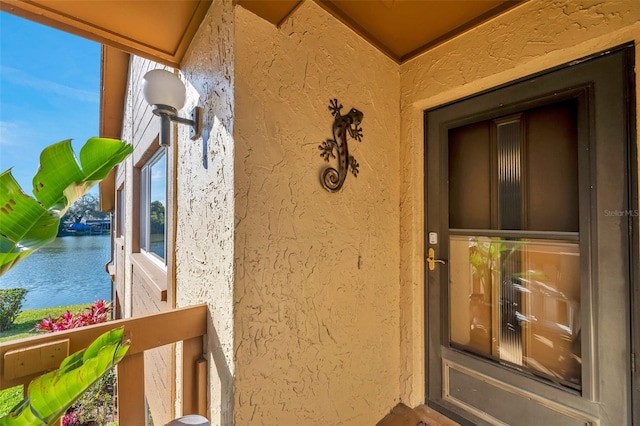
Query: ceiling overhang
x=158, y=30
x=401, y=29
x=162, y=30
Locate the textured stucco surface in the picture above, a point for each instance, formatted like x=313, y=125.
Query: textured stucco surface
x=316, y=287
x=530, y=38
x=205, y=179
x=316, y=300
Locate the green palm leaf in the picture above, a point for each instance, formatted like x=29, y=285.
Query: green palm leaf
x=27, y=224
x=50, y=395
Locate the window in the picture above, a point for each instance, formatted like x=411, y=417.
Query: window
x=153, y=195
x=120, y=213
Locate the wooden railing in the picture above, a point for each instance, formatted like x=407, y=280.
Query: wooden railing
x=23, y=360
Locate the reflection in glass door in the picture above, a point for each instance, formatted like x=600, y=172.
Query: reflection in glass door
x=527, y=317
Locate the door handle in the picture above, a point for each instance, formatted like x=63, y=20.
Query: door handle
x=431, y=260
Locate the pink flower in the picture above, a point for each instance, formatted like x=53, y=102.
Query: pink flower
x=72, y=418
x=94, y=314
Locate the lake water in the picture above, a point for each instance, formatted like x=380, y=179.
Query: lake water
x=68, y=271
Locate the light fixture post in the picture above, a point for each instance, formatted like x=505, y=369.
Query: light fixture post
x=165, y=129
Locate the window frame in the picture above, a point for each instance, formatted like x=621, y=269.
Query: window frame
x=145, y=206
x=120, y=212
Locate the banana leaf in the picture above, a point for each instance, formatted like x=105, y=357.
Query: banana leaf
x=27, y=223
x=49, y=396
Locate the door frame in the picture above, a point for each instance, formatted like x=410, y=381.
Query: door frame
x=501, y=101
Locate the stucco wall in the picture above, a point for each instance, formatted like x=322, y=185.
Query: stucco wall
x=316, y=299
x=205, y=198
x=530, y=38
x=316, y=286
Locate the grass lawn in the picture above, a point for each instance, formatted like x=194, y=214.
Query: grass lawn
x=27, y=320
x=23, y=327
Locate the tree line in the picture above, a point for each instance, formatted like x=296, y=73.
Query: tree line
x=86, y=207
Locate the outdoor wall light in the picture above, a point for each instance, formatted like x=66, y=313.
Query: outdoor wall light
x=166, y=94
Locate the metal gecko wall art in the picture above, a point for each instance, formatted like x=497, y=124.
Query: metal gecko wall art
x=331, y=178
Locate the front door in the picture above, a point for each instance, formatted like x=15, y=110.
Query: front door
x=528, y=241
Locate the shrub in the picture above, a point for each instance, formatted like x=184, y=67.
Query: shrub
x=11, y=300
x=94, y=314
x=95, y=406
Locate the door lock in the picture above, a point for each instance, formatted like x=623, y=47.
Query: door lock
x=431, y=260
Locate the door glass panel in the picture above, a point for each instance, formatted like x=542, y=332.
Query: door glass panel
x=551, y=165
x=518, y=302
x=470, y=176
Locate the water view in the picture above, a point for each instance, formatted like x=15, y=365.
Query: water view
x=68, y=271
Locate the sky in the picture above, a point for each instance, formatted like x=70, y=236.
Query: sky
x=49, y=91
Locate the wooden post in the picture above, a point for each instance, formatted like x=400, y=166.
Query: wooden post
x=202, y=379
x=192, y=387
x=131, y=403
